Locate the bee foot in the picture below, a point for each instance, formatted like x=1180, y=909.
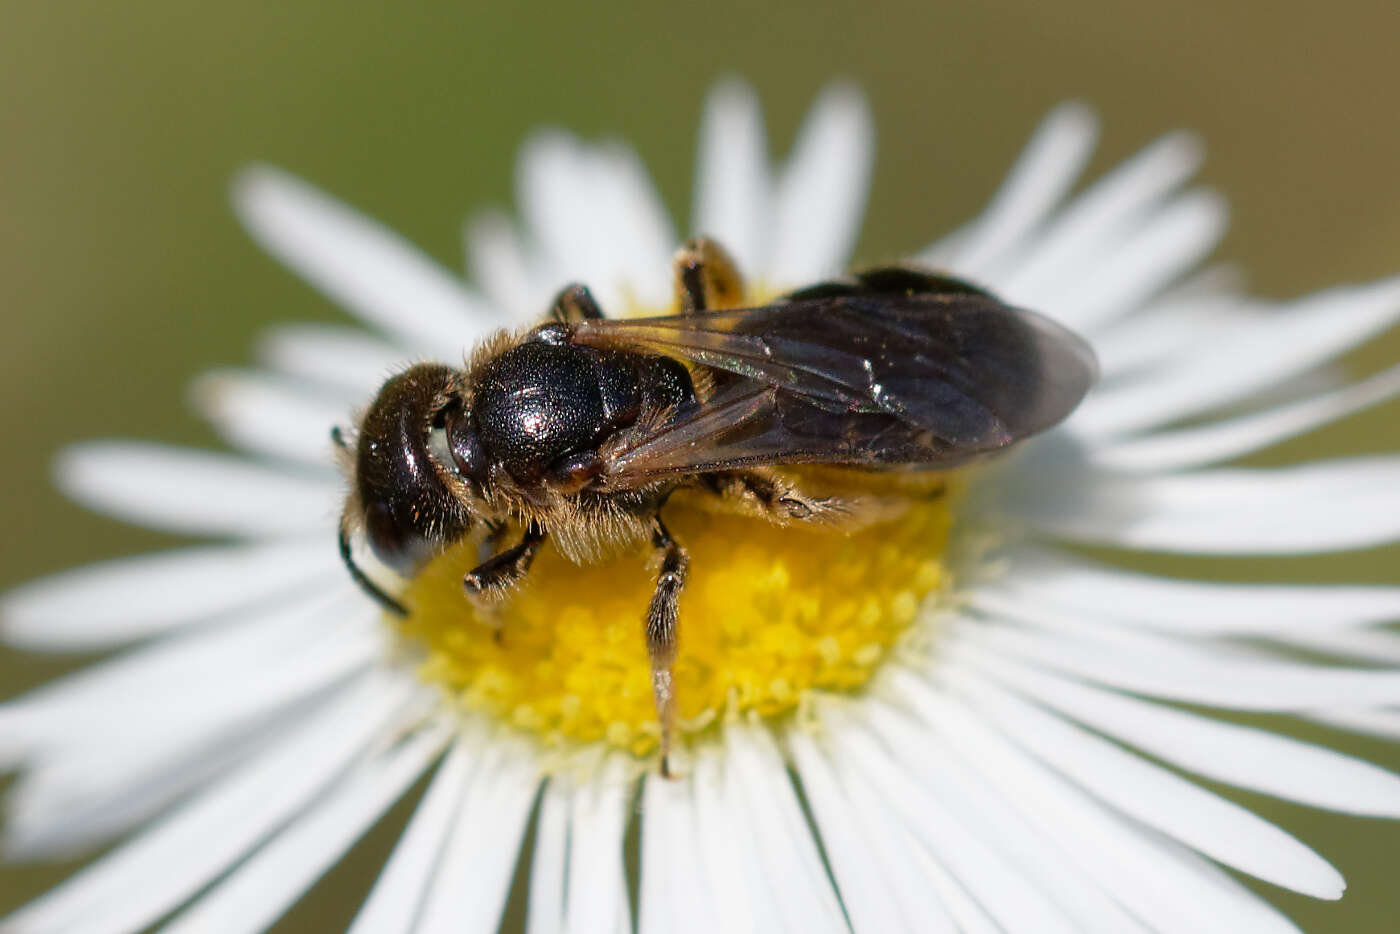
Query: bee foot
x=796, y=508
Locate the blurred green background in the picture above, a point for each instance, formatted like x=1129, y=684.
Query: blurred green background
x=122, y=272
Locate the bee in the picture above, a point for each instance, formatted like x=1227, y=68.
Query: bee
x=580, y=428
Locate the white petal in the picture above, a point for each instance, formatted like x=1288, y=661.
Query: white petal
x=1075, y=586
x=1159, y=251
x=693, y=906
x=141, y=880
x=469, y=890
x=1010, y=898
x=596, y=214
x=369, y=269
x=195, y=492
x=656, y=903
x=346, y=361
x=270, y=416
x=1231, y=891
x=92, y=775
x=69, y=810
x=732, y=184
x=968, y=916
x=1070, y=248
x=393, y=904
x=676, y=894
x=1173, y=670
x=260, y=890
x=1043, y=174
x=555, y=203
x=993, y=820
x=929, y=896
x=323, y=639
x=107, y=762
x=744, y=903
x=630, y=211
x=513, y=277
x=790, y=865
x=174, y=664
x=1382, y=723
x=1236, y=755
x=1229, y=438
x=597, y=822
x=861, y=877
x=116, y=601
x=1137, y=866
x=1173, y=324
x=1368, y=646
x=548, y=867
x=1321, y=506
x=1251, y=355
x=821, y=191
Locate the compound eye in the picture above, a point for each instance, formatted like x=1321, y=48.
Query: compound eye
x=468, y=453
x=395, y=543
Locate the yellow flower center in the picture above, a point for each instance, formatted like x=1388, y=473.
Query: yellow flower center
x=768, y=615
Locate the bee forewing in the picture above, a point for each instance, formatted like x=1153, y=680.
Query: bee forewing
x=876, y=380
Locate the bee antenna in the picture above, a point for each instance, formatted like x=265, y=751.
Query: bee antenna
x=338, y=438
x=361, y=578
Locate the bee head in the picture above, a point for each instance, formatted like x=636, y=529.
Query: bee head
x=410, y=502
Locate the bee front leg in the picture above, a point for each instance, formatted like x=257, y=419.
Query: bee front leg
x=706, y=277
x=661, y=631
x=490, y=580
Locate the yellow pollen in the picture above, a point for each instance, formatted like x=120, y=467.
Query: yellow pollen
x=768, y=614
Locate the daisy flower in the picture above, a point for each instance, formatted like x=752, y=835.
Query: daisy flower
x=955, y=721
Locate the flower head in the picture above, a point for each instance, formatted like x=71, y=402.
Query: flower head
x=948, y=722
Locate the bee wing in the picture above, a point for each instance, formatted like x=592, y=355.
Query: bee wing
x=871, y=379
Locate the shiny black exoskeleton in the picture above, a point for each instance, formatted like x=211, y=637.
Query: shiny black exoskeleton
x=540, y=410
x=531, y=418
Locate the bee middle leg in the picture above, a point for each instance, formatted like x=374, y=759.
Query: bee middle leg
x=661, y=631
x=763, y=493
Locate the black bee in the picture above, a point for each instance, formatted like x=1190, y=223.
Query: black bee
x=579, y=429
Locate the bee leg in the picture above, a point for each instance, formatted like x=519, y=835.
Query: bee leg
x=574, y=304
x=706, y=277
x=761, y=492
x=491, y=541
x=661, y=631
x=490, y=580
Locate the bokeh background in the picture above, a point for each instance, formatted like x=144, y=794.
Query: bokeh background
x=122, y=272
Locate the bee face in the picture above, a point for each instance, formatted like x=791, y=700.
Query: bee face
x=408, y=509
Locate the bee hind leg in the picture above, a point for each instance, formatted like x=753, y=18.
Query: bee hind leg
x=661, y=631
x=706, y=277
